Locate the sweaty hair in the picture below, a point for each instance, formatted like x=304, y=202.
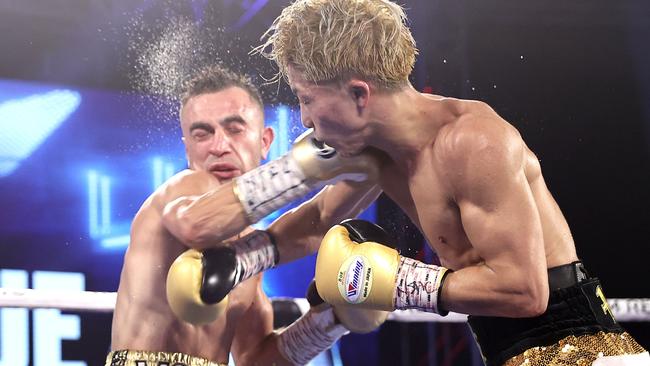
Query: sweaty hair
x=217, y=78
x=332, y=40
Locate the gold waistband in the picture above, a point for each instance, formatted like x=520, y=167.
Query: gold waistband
x=143, y=358
x=578, y=351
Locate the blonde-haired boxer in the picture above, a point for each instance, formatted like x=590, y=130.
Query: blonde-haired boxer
x=463, y=175
x=217, y=199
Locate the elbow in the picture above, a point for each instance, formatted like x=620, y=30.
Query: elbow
x=534, y=306
x=532, y=301
x=189, y=236
x=181, y=225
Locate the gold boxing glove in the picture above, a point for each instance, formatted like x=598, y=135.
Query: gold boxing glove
x=356, y=272
x=353, y=269
x=354, y=319
x=198, y=283
x=359, y=320
x=309, y=165
x=185, y=286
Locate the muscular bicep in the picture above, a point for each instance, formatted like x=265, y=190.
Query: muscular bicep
x=500, y=218
x=488, y=183
x=501, y=222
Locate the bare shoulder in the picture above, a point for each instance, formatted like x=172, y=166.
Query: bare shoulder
x=185, y=183
x=189, y=178
x=477, y=132
x=477, y=144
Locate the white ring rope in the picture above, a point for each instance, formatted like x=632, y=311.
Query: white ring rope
x=103, y=302
x=624, y=310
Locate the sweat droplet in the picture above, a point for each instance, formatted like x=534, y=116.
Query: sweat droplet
x=166, y=53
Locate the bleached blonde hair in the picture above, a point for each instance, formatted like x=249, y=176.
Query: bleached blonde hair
x=333, y=40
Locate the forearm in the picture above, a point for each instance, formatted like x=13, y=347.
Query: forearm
x=492, y=291
x=200, y=221
x=298, y=232
x=219, y=269
x=265, y=353
x=504, y=288
x=195, y=221
x=303, y=340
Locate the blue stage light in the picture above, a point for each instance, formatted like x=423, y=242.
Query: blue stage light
x=116, y=241
x=99, y=205
x=282, y=126
x=162, y=171
x=251, y=11
x=27, y=122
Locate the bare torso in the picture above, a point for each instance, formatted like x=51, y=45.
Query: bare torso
x=429, y=203
x=143, y=320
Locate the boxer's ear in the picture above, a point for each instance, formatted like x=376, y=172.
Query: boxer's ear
x=268, y=134
x=359, y=90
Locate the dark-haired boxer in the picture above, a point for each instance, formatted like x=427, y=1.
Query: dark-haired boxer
x=212, y=204
x=462, y=174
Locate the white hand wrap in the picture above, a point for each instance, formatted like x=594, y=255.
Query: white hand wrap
x=310, y=335
x=418, y=286
x=256, y=253
x=271, y=186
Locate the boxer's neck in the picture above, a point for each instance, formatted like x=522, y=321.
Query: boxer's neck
x=406, y=122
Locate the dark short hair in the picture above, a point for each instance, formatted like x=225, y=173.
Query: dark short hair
x=215, y=78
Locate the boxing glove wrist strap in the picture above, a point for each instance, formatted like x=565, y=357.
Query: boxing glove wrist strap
x=256, y=252
x=271, y=186
x=310, y=335
x=419, y=285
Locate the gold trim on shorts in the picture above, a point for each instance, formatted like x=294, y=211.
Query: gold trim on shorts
x=578, y=351
x=143, y=358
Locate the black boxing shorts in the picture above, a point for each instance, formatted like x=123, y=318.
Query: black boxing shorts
x=577, y=325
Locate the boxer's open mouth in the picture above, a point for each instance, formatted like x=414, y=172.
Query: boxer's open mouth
x=224, y=170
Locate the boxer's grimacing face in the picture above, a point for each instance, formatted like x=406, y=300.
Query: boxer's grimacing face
x=224, y=133
x=331, y=111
